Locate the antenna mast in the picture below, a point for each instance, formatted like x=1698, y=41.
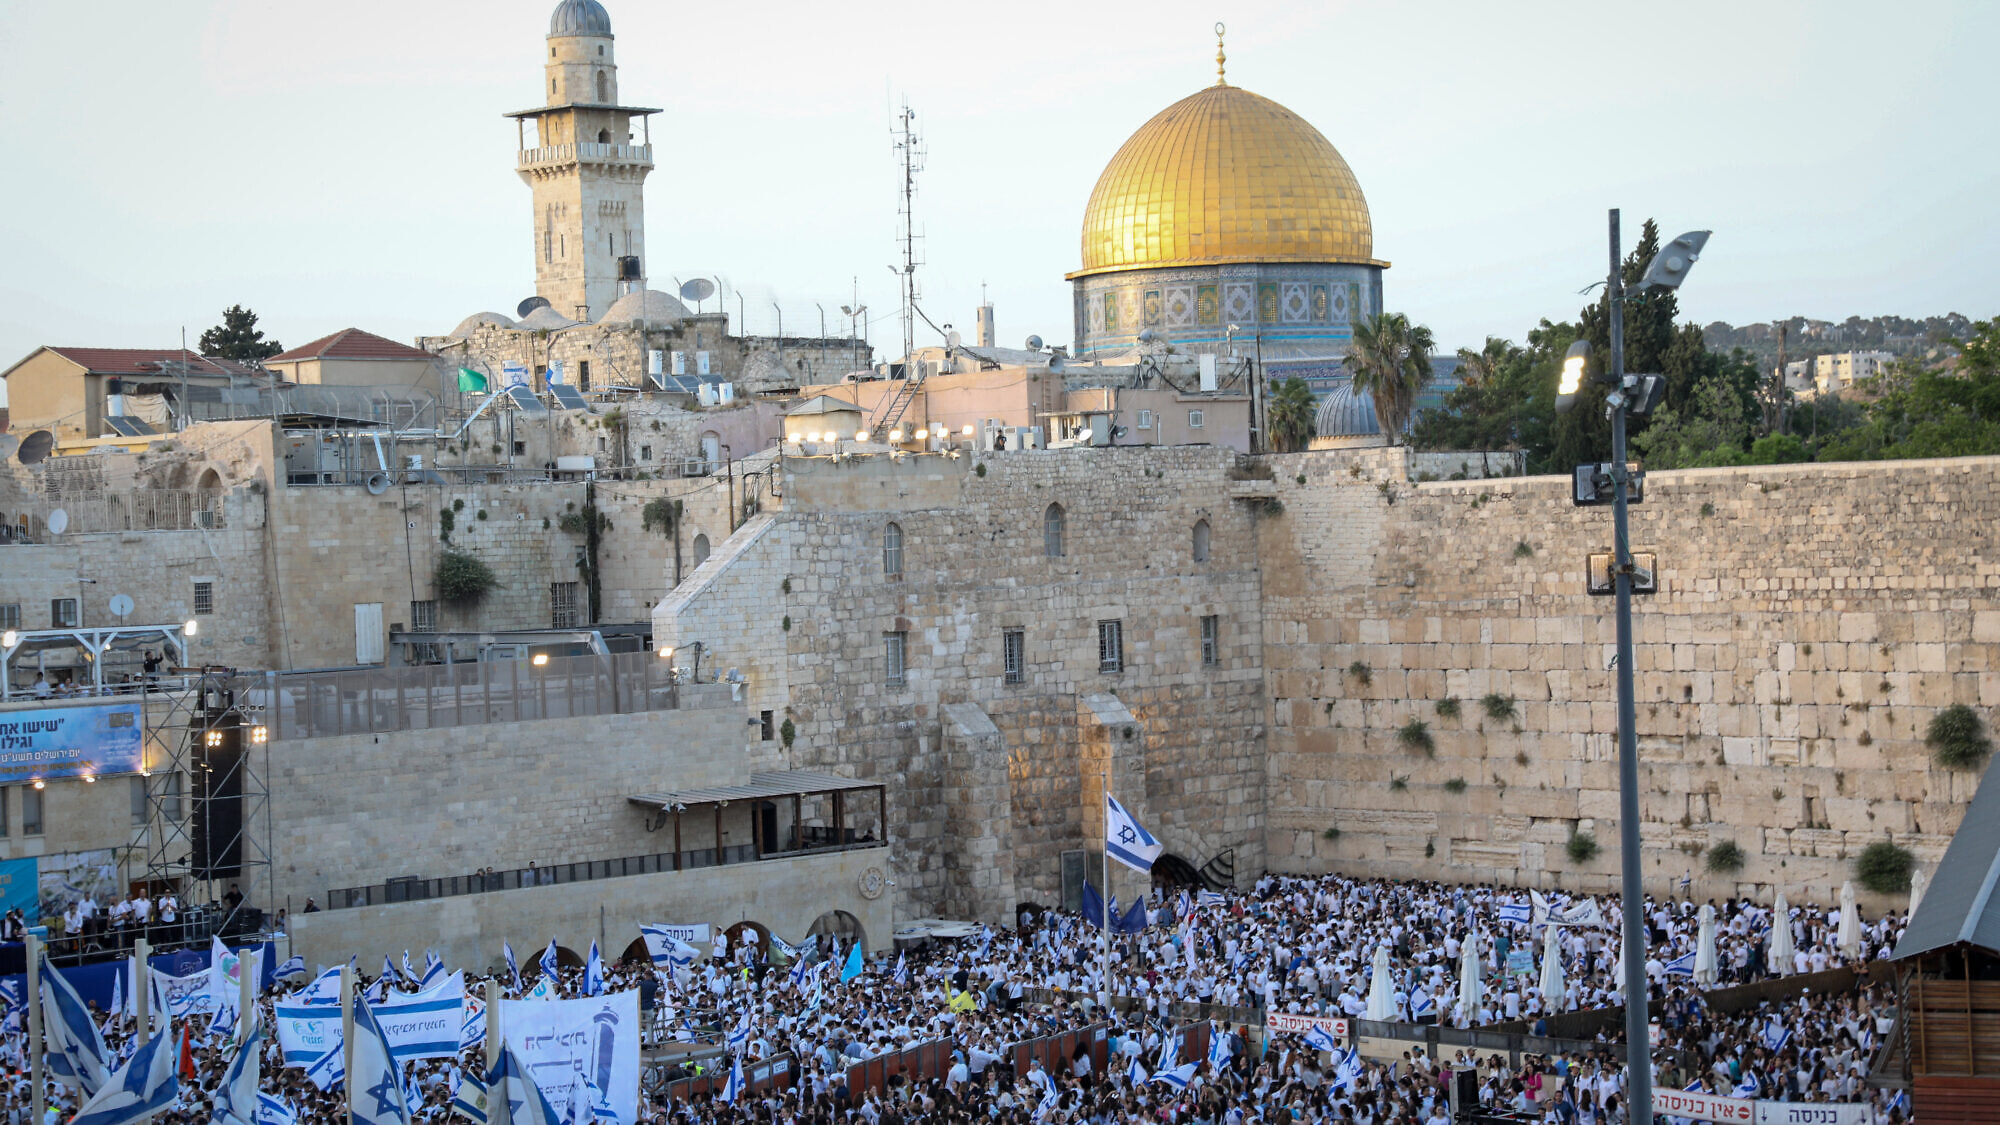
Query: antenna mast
x=912, y=150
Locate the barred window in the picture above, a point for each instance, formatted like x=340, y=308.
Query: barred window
x=1211, y=641
x=62, y=613
x=895, y=649
x=892, y=551
x=10, y=615
x=563, y=611
x=1014, y=655
x=424, y=616
x=1052, y=531
x=204, y=597
x=1111, y=646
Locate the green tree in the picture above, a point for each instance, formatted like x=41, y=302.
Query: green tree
x=1291, y=415
x=1488, y=363
x=1391, y=362
x=1509, y=405
x=1930, y=412
x=1706, y=432
x=238, y=337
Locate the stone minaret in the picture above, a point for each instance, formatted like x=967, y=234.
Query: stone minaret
x=587, y=170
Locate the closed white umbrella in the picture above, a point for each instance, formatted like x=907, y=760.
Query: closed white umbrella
x=1850, y=921
x=1918, y=881
x=1553, y=986
x=1469, y=991
x=1381, y=999
x=1704, y=950
x=1779, y=952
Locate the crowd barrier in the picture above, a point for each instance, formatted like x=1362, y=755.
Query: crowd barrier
x=1057, y=1053
x=917, y=1065
x=775, y=1073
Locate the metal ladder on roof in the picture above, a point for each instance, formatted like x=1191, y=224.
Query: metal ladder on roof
x=892, y=411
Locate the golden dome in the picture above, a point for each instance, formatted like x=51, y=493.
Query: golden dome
x=1225, y=176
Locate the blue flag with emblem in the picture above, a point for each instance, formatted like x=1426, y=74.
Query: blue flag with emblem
x=1125, y=840
x=293, y=967
x=375, y=1094
x=470, y=1101
x=72, y=1047
x=147, y=1083
x=593, y=972
x=274, y=1110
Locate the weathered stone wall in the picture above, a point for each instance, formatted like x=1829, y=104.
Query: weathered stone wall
x=1811, y=621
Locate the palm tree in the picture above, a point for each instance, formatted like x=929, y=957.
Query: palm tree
x=1483, y=366
x=1391, y=361
x=1291, y=415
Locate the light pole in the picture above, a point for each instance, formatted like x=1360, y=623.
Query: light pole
x=1630, y=394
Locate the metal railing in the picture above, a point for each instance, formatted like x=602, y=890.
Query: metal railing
x=436, y=696
x=552, y=154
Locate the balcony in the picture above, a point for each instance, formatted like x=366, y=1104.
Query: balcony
x=585, y=154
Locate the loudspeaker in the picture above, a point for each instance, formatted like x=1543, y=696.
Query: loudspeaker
x=218, y=806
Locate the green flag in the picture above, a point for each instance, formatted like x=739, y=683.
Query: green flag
x=470, y=381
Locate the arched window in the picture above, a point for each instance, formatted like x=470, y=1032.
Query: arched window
x=604, y=136
x=1052, y=531
x=700, y=549
x=892, y=551
x=603, y=89
x=1201, y=541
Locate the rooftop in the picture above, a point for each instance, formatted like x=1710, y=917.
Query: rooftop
x=351, y=343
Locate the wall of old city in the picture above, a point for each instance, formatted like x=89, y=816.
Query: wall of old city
x=1812, y=619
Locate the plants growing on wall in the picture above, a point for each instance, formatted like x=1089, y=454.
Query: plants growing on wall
x=1447, y=708
x=1416, y=735
x=1725, y=858
x=462, y=579
x=1958, y=739
x=1885, y=867
x=1582, y=847
x=1498, y=707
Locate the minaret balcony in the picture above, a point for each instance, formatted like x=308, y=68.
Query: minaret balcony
x=549, y=156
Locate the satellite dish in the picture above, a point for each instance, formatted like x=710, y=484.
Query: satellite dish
x=121, y=605
x=377, y=484
x=58, y=521
x=698, y=290
x=36, y=447
x=951, y=339
x=1034, y=343
x=530, y=305
x=1148, y=336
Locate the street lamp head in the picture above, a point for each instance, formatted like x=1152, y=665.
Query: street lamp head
x=1671, y=264
x=1574, y=361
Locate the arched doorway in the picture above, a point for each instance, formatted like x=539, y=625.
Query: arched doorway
x=756, y=933
x=636, y=953
x=1171, y=870
x=700, y=549
x=839, y=924
x=567, y=958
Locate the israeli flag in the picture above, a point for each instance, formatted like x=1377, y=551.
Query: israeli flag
x=1043, y=1079
x=470, y=1101
x=593, y=972
x=1520, y=913
x=117, y=993
x=740, y=1034
x=1746, y=1088
x=1170, y=1051
x=1682, y=966
x=141, y=1088
x=1211, y=898
x=377, y=993
x=408, y=973
x=375, y=1096
x=1422, y=1004
x=329, y=1070
x=525, y=1103
x=1320, y=1039
x=295, y=967
x=325, y=989
x=1219, y=1050
x=902, y=973
x=72, y=1047
x=1346, y=1071
x=236, y=1098
x=798, y=974
x=1125, y=840
x=1136, y=1074
x=513, y=966
x=1184, y=906
x=555, y=374
x=549, y=961
x=1176, y=1077
x=1900, y=1101
x=434, y=974
x=785, y=948
x=1776, y=1035
x=733, y=1089
x=274, y=1110
x=389, y=970
x=666, y=949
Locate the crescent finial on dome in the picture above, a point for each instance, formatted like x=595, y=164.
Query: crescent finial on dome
x=1220, y=58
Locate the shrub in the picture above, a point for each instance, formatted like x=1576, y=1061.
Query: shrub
x=787, y=732
x=1416, y=735
x=1455, y=785
x=1399, y=782
x=1498, y=707
x=1361, y=672
x=660, y=513
x=462, y=579
x=1331, y=834
x=1958, y=739
x=1447, y=708
x=1885, y=868
x=1582, y=847
x=1725, y=858
x=1523, y=551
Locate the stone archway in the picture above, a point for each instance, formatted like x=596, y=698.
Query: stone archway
x=757, y=933
x=636, y=953
x=840, y=924
x=567, y=958
x=1171, y=870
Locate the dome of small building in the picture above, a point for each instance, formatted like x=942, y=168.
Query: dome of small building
x=580, y=17
x=476, y=321
x=545, y=319
x=646, y=308
x=1345, y=414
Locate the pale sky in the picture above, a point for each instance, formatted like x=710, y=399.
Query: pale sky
x=346, y=164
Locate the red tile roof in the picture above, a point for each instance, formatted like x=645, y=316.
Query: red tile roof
x=144, y=361
x=352, y=343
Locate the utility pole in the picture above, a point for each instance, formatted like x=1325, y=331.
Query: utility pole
x=911, y=147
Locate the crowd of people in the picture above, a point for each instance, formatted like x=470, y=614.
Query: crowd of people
x=1299, y=945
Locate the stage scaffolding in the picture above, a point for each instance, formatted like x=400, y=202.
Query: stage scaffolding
x=208, y=800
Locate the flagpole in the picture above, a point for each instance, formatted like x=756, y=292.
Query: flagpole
x=34, y=951
x=246, y=1001
x=142, y=987
x=497, y=1109
x=347, y=1035
x=1104, y=900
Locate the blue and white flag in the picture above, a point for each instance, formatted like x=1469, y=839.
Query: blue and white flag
x=1170, y=1051
x=329, y=1070
x=740, y=1034
x=1177, y=1077
x=236, y=1098
x=118, y=991
x=1219, y=1049
x=1900, y=1101
x=1517, y=912
x=1136, y=1073
x=1422, y=1004
x=853, y=967
x=667, y=948
x=1682, y=966
x=389, y=970
x=473, y=1032
x=544, y=989
x=1346, y=1070
x=797, y=976
x=1775, y=1035
x=1746, y=1088
x=902, y=973
x=783, y=948
x=295, y=967
x=324, y=989
x=526, y=1104
x=1184, y=905
x=733, y=1089
x=555, y=373
x=1125, y=840
x=71, y=1044
x=1320, y=1039
x=1211, y=898
x=144, y=1086
x=593, y=972
x=375, y=1094
x=434, y=975
x=409, y=974
x=274, y=1110
x=513, y=966
x=470, y=1101
x=549, y=962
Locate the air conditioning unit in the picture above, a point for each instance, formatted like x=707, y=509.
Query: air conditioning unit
x=1024, y=437
x=694, y=467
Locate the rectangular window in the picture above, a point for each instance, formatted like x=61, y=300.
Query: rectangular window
x=1195, y=419
x=31, y=811
x=62, y=613
x=424, y=617
x=563, y=613
x=766, y=727
x=1145, y=419
x=10, y=615
x=520, y=449
x=1211, y=641
x=895, y=647
x=204, y=597
x=139, y=810
x=583, y=375
x=1014, y=655
x=645, y=453
x=170, y=796
x=1111, y=646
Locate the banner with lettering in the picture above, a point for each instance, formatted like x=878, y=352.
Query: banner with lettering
x=56, y=742
x=565, y=1044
